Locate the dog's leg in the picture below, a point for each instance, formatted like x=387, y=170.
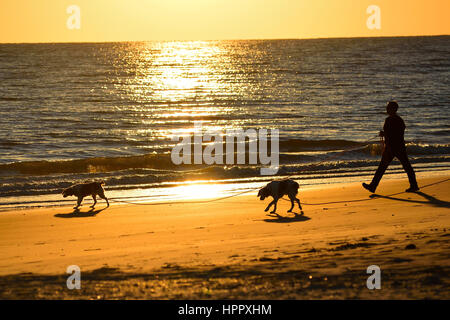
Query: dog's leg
x=102, y=195
x=299, y=205
x=95, y=200
x=270, y=204
x=275, y=205
x=292, y=204
x=78, y=202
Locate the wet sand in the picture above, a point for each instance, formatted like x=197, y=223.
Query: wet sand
x=233, y=249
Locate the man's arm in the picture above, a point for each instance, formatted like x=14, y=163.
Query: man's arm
x=387, y=128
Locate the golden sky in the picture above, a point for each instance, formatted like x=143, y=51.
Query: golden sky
x=129, y=20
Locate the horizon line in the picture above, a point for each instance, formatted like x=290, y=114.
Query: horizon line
x=237, y=39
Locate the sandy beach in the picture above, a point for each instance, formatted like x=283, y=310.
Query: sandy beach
x=233, y=249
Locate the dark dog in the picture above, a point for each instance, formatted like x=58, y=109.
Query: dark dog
x=86, y=189
x=277, y=189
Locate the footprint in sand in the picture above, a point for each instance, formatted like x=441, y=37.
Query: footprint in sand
x=401, y=260
x=266, y=259
x=353, y=246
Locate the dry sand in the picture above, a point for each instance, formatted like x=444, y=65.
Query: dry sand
x=232, y=249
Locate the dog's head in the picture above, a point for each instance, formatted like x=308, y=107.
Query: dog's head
x=263, y=193
x=67, y=192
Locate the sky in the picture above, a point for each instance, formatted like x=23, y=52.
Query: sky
x=140, y=20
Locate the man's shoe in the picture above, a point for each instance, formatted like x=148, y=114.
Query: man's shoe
x=369, y=187
x=412, y=189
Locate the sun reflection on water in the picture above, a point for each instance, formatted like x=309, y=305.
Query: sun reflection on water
x=195, y=190
x=181, y=71
x=176, y=83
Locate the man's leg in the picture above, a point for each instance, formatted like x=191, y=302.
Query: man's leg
x=403, y=157
x=386, y=159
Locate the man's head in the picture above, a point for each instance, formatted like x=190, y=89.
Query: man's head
x=392, y=107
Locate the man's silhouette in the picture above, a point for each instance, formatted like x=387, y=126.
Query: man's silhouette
x=393, y=133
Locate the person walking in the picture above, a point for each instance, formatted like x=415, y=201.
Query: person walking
x=393, y=133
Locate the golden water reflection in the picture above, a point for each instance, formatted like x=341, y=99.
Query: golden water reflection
x=177, y=83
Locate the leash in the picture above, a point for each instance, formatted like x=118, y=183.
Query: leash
x=372, y=197
x=184, y=202
x=366, y=143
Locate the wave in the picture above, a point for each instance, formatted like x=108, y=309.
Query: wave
x=10, y=98
x=9, y=143
x=374, y=148
x=411, y=148
x=426, y=149
x=335, y=149
x=89, y=165
x=311, y=145
x=150, y=178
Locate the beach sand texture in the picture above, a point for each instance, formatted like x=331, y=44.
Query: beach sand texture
x=233, y=249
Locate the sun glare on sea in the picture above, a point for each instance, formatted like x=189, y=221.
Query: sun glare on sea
x=175, y=83
x=181, y=70
x=195, y=190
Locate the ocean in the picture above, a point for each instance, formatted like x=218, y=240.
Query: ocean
x=71, y=112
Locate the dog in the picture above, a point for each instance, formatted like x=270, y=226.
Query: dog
x=277, y=189
x=86, y=189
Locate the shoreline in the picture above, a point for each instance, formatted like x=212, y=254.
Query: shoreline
x=232, y=249
x=176, y=191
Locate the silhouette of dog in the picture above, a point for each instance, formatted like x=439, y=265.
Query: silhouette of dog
x=277, y=189
x=86, y=189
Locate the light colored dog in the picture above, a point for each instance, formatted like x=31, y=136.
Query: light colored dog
x=277, y=189
x=86, y=189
